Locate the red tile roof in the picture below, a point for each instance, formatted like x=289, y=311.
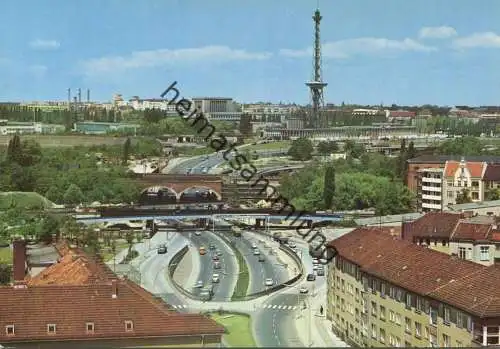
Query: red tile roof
x=432, y=225
x=475, y=168
x=31, y=309
x=469, y=286
x=472, y=231
x=492, y=173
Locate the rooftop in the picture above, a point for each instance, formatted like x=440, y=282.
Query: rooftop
x=474, y=205
x=465, y=285
x=441, y=159
x=492, y=173
x=475, y=168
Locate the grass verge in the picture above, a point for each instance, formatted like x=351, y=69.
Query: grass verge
x=107, y=254
x=269, y=146
x=241, y=288
x=68, y=140
x=6, y=255
x=238, y=329
x=24, y=200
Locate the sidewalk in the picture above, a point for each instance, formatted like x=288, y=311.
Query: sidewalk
x=185, y=273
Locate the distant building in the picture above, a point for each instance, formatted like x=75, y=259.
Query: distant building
x=218, y=108
x=430, y=189
x=90, y=127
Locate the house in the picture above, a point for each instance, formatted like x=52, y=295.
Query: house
x=79, y=303
x=463, y=177
x=384, y=291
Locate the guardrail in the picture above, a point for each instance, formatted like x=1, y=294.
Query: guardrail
x=172, y=266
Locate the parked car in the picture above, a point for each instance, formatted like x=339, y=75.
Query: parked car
x=304, y=289
x=269, y=282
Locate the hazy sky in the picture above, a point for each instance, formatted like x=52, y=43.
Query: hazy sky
x=443, y=52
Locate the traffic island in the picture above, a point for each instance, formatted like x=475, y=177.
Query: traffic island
x=238, y=329
x=241, y=288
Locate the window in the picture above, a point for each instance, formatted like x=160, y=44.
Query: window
x=374, y=331
x=418, y=329
x=485, y=253
x=459, y=320
x=446, y=319
x=418, y=308
x=433, y=316
x=382, y=313
x=450, y=183
x=90, y=327
x=433, y=341
x=475, y=183
x=374, y=309
x=382, y=336
x=9, y=330
x=129, y=326
x=450, y=195
x=51, y=329
x=407, y=325
x=462, y=253
x=397, y=318
x=408, y=301
x=475, y=195
x=392, y=316
x=446, y=340
x=382, y=290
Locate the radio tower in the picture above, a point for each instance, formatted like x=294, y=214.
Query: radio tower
x=316, y=85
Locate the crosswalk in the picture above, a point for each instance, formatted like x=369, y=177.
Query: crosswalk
x=279, y=307
x=179, y=306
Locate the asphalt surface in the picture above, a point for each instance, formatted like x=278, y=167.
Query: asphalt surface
x=276, y=328
x=223, y=290
x=197, y=165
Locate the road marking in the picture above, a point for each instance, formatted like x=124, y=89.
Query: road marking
x=275, y=306
x=280, y=307
x=185, y=306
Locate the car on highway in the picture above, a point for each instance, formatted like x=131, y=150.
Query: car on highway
x=320, y=272
x=199, y=284
x=197, y=233
x=315, y=261
x=256, y=252
x=204, y=170
x=315, y=267
x=206, y=293
x=203, y=251
x=215, y=278
x=303, y=289
x=219, y=253
x=291, y=244
x=311, y=277
x=217, y=265
x=215, y=257
x=162, y=249
x=254, y=245
x=262, y=258
x=269, y=282
x=211, y=246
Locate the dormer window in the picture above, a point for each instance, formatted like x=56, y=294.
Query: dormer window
x=129, y=326
x=51, y=329
x=90, y=327
x=9, y=330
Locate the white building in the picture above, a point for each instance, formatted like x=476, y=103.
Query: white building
x=218, y=108
x=430, y=193
x=463, y=176
x=20, y=127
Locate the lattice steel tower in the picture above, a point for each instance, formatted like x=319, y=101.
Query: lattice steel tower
x=316, y=85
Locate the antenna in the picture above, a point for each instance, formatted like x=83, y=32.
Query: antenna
x=79, y=95
x=69, y=96
x=88, y=95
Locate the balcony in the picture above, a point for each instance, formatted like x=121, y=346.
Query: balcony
x=431, y=206
x=431, y=180
x=433, y=189
x=431, y=197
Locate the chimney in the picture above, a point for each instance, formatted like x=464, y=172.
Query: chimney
x=114, y=287
x=19, y=260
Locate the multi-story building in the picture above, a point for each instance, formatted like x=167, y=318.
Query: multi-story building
x=439, y=161
x=476, y=239
x=463, y=177
x=491, y=177
x=218, y=108
x=384, y=291
x=430, y=189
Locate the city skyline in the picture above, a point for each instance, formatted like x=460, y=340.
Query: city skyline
x=402, y=53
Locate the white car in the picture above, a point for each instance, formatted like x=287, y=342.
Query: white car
x=256, y=252
x=254, y=245
x=199, y=284
x=315, y=261
x=269, y=282
x=315, y=267
x=304, y=289
x=215, y=278
x=292, y=244
x=198, y=233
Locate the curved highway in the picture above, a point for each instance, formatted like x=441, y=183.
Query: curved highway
x=223, y=290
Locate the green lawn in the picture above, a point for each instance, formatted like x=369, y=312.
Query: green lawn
x=24, y=200
x=6, y=255
x=241, y=288
x=108, y=255
x=68, y=140
x=269, y=146
x=238, y=329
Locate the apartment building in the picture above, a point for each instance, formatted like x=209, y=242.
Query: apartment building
x=475, y=239
x=384, y=291
x=430, y=189
x=218, y=108
x=463, y=176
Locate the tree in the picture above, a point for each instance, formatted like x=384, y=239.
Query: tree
x=5, y=273
x=301, y=149
x=14, y=149
x=91, y=240
x=129, y=236
x=246, y=125
x=327, y=148
x=492, y=194
x=73, y=195
x=329, y=186
x=126, y=151
x=463, y=197
x=70, y=228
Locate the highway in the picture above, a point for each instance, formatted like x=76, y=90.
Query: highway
x=223, y=290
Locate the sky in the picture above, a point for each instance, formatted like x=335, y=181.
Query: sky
x=444, y=52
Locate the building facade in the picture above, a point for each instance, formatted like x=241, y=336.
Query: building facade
x=430, y=190
x=383, y=291
x=463, y=178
